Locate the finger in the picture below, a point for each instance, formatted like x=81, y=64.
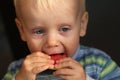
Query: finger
x=37, y=70
x=40, y=59
x=39, y=67
x=35, y=60
x=39, y=64
x=65, y=60
x=71, y=63
x=37, y=57
x=69, y=74
x=65, y=63
x=30, y=63
x=39, y=54
x=65, y=72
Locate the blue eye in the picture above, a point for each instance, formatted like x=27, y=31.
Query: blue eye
x=39, y=31
x=64, y=29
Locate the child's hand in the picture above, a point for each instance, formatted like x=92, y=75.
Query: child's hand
x=69, y=69
x=34, y=64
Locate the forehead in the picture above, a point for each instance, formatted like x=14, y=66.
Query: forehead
x=44, y=3
x=54, y=6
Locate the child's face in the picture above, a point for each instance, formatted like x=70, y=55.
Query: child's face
x=52, y=30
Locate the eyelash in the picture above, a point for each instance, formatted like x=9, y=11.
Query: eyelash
x=39, y=31
x=64, y=29
x=42, y=31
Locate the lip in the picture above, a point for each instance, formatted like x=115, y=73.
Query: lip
x=56, y=57
x=53, y=52
x=57, y=54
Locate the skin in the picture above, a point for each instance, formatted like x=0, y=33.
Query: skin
x=51, y=30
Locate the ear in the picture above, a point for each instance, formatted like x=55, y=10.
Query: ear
x=83, y=24
x=20, y=28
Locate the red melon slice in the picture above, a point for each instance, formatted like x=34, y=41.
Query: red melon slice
x=56, y=57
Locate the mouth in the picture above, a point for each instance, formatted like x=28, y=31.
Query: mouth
x=56, y=57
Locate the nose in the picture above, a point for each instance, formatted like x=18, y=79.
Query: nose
x=52, y=40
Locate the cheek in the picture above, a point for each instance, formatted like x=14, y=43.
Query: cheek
x=34, y=45
x=72, y=45
x=72, y=48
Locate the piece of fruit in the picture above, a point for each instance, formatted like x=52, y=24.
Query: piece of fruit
x=56, y=57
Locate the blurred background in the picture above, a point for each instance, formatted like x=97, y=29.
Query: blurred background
x=103, y=31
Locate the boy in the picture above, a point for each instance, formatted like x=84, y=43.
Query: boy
x=54, y=27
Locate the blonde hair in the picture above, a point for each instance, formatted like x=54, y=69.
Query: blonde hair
x=18, y=3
